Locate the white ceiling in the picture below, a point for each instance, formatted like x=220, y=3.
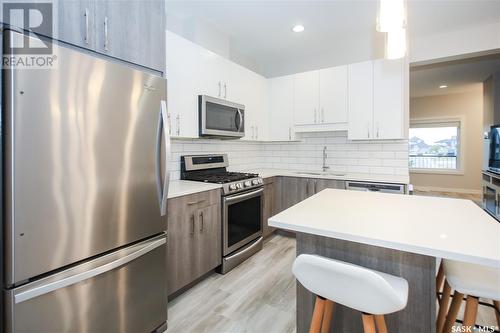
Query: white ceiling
x=336, y=32
x=460, y=76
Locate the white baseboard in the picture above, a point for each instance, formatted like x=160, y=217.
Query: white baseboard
x=444, y=189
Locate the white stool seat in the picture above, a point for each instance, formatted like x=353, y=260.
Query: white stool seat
x=473, y=280
x=354, y=286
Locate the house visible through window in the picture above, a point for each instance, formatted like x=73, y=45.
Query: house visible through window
x=435, y=145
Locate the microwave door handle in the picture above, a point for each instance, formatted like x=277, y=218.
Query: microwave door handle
x=240, y=116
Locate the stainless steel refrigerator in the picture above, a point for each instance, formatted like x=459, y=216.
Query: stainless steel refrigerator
x=84, y=190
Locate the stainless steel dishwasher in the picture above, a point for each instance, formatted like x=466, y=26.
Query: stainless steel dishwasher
x=376, y=187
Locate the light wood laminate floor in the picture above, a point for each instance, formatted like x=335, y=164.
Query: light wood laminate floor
x=257, y=296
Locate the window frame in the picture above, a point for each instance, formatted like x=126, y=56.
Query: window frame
x=460, y=170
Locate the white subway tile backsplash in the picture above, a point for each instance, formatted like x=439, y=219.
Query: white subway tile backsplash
x=383, y=158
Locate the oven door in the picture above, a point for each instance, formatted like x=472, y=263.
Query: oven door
x=241, y=219
x=218, y=117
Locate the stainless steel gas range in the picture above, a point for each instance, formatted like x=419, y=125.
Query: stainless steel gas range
x=242, y=203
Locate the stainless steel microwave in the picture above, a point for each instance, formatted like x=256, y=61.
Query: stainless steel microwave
x=220, y=118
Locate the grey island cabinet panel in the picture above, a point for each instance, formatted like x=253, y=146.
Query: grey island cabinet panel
x=133, y=31
x=321, y=184
x=193, y=238
x=76, y=22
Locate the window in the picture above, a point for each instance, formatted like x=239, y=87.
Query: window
x=435, y=146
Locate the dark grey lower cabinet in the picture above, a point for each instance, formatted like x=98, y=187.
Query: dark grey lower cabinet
x=193, y=238
x=292, y=190
x=270, y=206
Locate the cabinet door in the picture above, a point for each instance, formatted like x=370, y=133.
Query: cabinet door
x=181, y=243
x=333, y=95
x=183, y=67
x=306, y=98
x=208, y=243
x=322, y=184
x=360, y=94
x=388, y=106
x=281, y=108
x=269, y=207
x=133, y=31
x=294, y=190
x=76, y=22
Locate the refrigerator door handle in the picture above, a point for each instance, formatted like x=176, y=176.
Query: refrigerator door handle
x=39, y=290
x=162, y=184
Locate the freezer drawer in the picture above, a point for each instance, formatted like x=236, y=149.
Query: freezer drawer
x=124, y=291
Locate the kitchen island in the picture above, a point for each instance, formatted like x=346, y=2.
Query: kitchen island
x=397, y=234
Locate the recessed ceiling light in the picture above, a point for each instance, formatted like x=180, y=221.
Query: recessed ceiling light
x=443, y=86
x=298, y=28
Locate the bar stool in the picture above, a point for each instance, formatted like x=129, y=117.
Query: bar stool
x=475, y=282
x=371, y=292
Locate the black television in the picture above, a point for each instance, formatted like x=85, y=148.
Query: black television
x=494, y=160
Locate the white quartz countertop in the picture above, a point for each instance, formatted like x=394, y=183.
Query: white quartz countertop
x=177, y=188
x=448, y=228
x=266, y=173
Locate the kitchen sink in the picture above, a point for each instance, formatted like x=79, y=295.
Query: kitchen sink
x=320, y=173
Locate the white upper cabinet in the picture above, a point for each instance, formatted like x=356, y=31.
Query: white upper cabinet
x=192, y=70
x=377, y=100
x=333, y=95
x=280, y=109
x=360, y=101
x=388, y=107
x=306, y=97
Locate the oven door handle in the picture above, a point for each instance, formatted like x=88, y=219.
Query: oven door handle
x=240, y=197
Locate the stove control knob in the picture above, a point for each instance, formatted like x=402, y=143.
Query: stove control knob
x=248, y=184
x=232, y=187
x=239, y=185
x=255, y=182
x=261, y=181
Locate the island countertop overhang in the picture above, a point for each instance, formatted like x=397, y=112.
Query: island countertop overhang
x=448, y=228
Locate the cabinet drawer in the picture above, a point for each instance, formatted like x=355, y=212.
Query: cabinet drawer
x=186, y=203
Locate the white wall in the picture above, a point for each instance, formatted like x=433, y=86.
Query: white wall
x=389, y=158
x=469, y=39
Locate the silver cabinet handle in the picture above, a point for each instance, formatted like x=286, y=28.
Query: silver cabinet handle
x=289, y=133
x=368, y=130
x=201, y=221
x=178, y=120
x=225, y=90
x=169, y=117
x=192, y=225
x=106, y=41
x=41, y=289
x=256, y=132
x=322, y=115
x=315, y=116
x=86, y=37
x=377, y=130
x=315, y=186
x=162, y=184
x=253, y=132
x=220, y=89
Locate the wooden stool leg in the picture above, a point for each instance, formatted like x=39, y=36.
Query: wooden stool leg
x=439, y=279
x=368, y=323
x=443, y=307
x=317, y=317
x=497, y=312
x=452, y=313
x=470, y=312
x=380, y=321
x=327, y=317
